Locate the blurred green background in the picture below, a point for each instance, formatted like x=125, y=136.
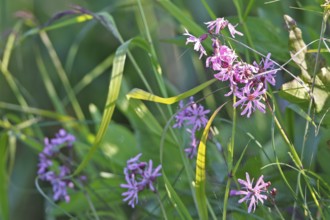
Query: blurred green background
x=93, y=44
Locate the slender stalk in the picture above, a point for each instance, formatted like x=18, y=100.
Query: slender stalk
x=153, y=55
x=161, y=205
x=323, y=28
x=91, y=205
x=230, y=162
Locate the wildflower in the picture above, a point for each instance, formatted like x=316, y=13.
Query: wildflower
x=192, y=150
x=180, y=117
x=223, y=57
x=250, y=99
x=132, y=191
x=217, y=25
x=139, y=176
x=266, y=71
x=150, y=175
x=252, y=195
x=197, y=41
x=48, y=168
x=197, y=116
x=194, y=115
x=233, y=31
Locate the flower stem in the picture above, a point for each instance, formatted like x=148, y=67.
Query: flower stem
x=230, y=162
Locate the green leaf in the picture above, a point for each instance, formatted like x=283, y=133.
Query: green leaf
x=200, y=169
x=61, y=24
x=4, y=202
x=143, y=95
x=175, y=199
x=114, y=88
x=298, y=90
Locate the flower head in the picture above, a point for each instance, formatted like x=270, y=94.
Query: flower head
x=233, y=31
x=217, y=25
x=139, y=176
x=51, y=168
x=266, y=72
x=197, y=41
x=252, y=195
x=194, y=118
x=250, y=99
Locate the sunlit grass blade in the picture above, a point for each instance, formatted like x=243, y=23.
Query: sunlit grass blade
x=5, y=62
x=200, y=169
x=4, y=201
x=113, y=93
x=143, y=95
x=175, y=199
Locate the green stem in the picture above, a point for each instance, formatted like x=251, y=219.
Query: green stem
x=161, y=205
x=153, y=56
x=230, y=162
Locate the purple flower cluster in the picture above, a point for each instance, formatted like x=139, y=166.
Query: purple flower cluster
x=51, y=166
x=139, y=176
x=194, y=117
x=252, y=194
x=248, y=82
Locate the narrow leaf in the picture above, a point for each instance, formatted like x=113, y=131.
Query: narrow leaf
x=143, y=95
x=114, y=88
x=175, y=199
x=200, y=169
x=4, y=202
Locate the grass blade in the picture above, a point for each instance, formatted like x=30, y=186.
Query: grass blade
x=175, y=199
x=143, y=95
x=113, y=93
x=200, y=168
x=4, y=202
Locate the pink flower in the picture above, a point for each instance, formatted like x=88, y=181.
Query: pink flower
x=197, y=41
x=233, y=31
x=252, y=195
x=218, y=24
x=250, y=99
x=266, y=71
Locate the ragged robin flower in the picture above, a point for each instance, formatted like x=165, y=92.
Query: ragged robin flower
x=252, y=194
x=139, y=176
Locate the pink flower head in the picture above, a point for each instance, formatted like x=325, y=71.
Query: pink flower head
x=250, y=99
x=266, y=71
x=233, y=31
x=252, y=195
x=197, y=41
x=222, y=62
x=217, y=25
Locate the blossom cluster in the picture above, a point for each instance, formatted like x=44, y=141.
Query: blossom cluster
x=139, y=176
x=248, y=82
x=194, y=117
x=252, y=195
x=54, y=169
